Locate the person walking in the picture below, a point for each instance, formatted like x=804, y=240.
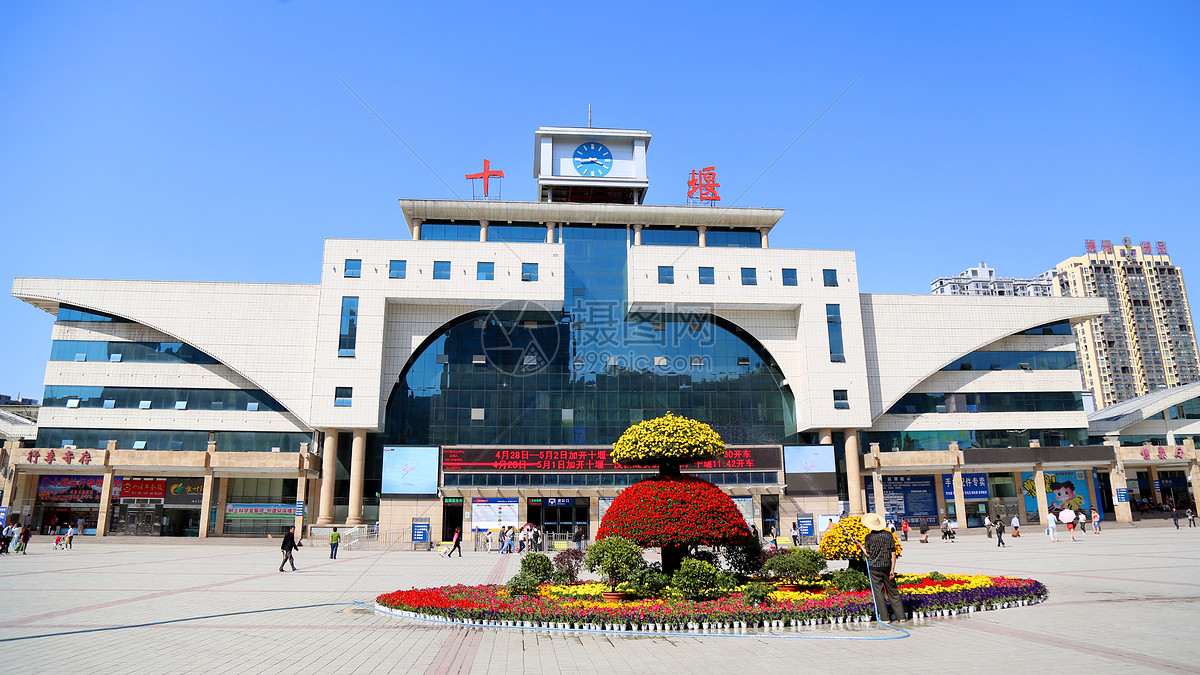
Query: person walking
x=487, y=542
x=1000, y=534
x=6, y=537
x=924, y=531
x=904, y=530
x=1176, y=515
x=1191, y=516
x=945, y=529
x=289, y=544
x=457, y=543
x=578, y=538
x=1052, y=526
x=1016, y=526
x=795, y=534
x=1095, y=521
x=879, y=548
x=1070, y=520
x=334, y=538
x=26, y=533
x=987, y=522
x=1081, y=519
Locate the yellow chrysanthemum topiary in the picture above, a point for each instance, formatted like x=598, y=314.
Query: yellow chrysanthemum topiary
x=667, y=440
x=842, y=539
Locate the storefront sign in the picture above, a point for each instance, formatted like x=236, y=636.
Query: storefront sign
x=560, y=501
x=420, y=531
x=1179, y=482
x=493, y=513
x=1157, y=486
x=975, y=486
x=142, y=489
x=594, y=459
x=905, y=496
x=184, y=491
x=1122, y=495
x=1065, y=490
x=77, y=489
x=806, y=527
x=274, y=511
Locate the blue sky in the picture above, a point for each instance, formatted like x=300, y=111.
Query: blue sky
x=212, y=140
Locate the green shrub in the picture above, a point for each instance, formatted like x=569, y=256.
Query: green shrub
x=646, y=582
x=850, y=580
x=796, y=566
x=757, y=593
x=745, y=558
x=569, y=564
x=615, y=559
x=936, y=576
x=559, y=578
x=698, y=580
x=523, y=583
x=538, y=566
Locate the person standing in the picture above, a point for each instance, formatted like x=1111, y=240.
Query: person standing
x=795, y=534
x=945, y=529
x=6, y=537
x=1016, y=526
x=1052, y=526
x=457, y=543
x=754, y=531
x=1176, y=515
x=578, y=538
x=1000, y=533
x=487, y=542
x=987, y=522
x=1191, y=516
x=1095, y=521
x=879, y=547
x=26, y=533
x=924, y=531
x=904, y=530
x=70, y=535
x=334, y=538
x=289, y=544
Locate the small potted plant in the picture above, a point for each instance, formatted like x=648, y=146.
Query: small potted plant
x=796, y=567
x=615, y=559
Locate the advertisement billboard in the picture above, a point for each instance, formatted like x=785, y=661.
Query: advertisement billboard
x=185, y=491
x=492, y=513
x=1064, y=490
x=975, y=486
x=905, y=496
x=76, y=489
x=410, y=470
x=273, y=511
x=808, y=459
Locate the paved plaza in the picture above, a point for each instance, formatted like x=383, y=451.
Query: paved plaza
x=1123, y=601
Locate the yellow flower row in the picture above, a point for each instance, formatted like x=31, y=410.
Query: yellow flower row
x=669, y=438
x=589, y=589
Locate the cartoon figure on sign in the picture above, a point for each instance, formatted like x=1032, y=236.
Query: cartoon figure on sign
x=1065, y=497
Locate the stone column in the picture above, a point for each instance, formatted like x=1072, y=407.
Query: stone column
x=763, y=231
x=206, y=502
x=222, y=501
x=1039, y=479
x=703, y=231
x=825, y=436
x=329, y=465
x=877, y=488
x=637, y=235
x=550, y=233
x=960, y=500
x=854, y=473
x=1117, y=479
x=301, y=488
x=358, y=465
x=1021, y=496
x=105, y=503
x=416, y=229
x=1156, y=492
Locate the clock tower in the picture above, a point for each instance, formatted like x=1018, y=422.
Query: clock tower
x=585, y=164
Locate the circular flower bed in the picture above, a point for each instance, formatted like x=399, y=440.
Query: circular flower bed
x=581, y=606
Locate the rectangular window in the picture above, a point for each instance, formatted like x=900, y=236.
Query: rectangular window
x=342, y=396
x=666, y=274
x=841, y=399
x=144, y=405
x=833, y=318
x=749, y=276
x=252, y=406
x=110, y=403
x=353, y=269
x=529, y=272
x=72, y=403
x=485, y=271
x=789, y=277
x=139, y=445
x=349, y=327
x=441, y=269
x=660, y=361
x=181, y=405
x=706, y=276
x=114, y=358
x=830, y=277
x=397, y=269
x=476, y=413
x=479, y=360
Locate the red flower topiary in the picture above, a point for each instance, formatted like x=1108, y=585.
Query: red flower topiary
x=674, y=511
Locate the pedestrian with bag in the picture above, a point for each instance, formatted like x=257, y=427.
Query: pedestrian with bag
x=1000, y=534
x=1052, y=526
x=1016, y=526
x=288, y=546
x=924, y=531
x=457, y=543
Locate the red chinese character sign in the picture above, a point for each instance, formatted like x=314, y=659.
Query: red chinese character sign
x=1146, y=247
x=1089, y=245
x=1106, y=245
x=1162, y=248
x=485, y=175
x=702, y=186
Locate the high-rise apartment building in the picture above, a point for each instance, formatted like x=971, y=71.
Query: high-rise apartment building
x=1146, y=342
x=982, y=280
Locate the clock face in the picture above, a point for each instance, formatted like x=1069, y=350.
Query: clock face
x=592, y=159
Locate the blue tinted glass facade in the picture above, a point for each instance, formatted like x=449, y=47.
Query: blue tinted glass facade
x=348, y=336
x=706, y=276
x=529, y=271
x=160, y=399
x=450, y=232
x=892, y=441
x=1032, y=401
x=397, y=269
x=666, y=274
x=132, y=352
x=833, y=319
x=829, y=277
x=485, y=271
x=517, y=233
x=69, y=313
x=670, y=237
x=441, y=269
x=789, y=277
x=543, y=383
x=1057, y=328
x=1015, y=361
x=342, y=396
x=155, y=439
x=353, y=269
x=749, y=276
x=732, y=238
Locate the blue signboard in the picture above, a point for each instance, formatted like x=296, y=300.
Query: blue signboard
x=560, y=501
x=905, y=496
x=3, y=515
x=975, y=486
x=806, y=527
x=420, y=532
x=410, y=470
x=1157, y=486
x=299, y=508
x=1065, y=490
x=1122, y=495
